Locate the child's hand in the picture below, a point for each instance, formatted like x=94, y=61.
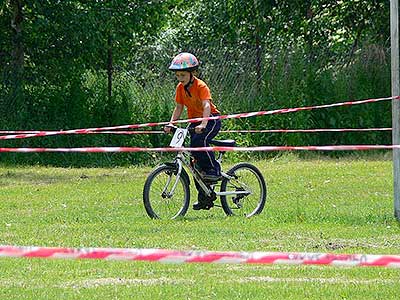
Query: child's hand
x=168, y=128
x=199, y=129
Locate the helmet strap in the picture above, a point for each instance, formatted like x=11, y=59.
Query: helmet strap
x=186, y=86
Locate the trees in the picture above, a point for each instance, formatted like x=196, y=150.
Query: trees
x=327, y=32
x=51, y=44
x=15, y=60
x=83, y=63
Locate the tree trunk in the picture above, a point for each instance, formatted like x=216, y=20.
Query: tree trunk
x=258, y=62
x=109, y=68
x=15, y=100
x=109, y=78
x=258, y=48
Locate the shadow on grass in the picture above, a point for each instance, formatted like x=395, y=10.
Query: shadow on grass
x=215, y=216
x=12, y=178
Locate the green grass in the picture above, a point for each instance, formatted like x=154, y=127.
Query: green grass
x=317, y=205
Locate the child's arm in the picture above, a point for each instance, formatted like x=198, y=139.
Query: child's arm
x=175, y=116
x=206, y=113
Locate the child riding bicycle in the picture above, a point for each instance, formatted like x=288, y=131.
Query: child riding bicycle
x=194, y=94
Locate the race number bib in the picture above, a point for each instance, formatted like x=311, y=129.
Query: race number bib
x=178, y=138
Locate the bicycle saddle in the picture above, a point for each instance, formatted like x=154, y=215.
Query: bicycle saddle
x=223, y=143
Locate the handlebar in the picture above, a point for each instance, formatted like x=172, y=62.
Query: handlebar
x=190, y=129
x=173, y=127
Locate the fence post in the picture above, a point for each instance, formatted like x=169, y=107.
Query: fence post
x=394, y=38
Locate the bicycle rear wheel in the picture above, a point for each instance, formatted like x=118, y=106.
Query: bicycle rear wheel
x=165, y=195
x=247, y=180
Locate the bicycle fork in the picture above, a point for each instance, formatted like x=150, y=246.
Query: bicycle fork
x=170, y=193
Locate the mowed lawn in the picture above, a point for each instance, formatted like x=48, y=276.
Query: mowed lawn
x=316, y=205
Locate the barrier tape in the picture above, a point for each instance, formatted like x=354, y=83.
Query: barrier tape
x=197, y=149
x=308, y=130
x=233, y=116
x=17, y=132
x=222, y=131
x=174, y=256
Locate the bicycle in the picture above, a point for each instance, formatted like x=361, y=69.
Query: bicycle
x=166, y=192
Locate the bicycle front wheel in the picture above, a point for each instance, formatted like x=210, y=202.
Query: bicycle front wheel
x=166, y=195
x=249, y=191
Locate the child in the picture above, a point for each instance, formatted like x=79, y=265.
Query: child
x=195, y=95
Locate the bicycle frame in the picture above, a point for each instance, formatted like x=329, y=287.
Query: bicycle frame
x=183, y=159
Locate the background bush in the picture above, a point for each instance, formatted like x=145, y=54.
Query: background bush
x=81, y=64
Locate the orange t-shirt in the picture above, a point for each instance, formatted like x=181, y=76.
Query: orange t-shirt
x=199, y=92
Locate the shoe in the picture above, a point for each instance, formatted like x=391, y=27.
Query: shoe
x=200, y=205
x=204, y=202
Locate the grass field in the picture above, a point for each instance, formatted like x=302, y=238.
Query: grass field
x=318, y=205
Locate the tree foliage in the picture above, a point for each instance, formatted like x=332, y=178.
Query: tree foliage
x=82, y=63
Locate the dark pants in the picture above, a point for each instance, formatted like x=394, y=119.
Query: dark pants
x=206, y=159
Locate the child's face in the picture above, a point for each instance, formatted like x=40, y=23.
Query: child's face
x=183, y=76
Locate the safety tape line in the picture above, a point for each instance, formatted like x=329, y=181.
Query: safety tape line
x=233, y=116
x=197, y=149
x=308, y=130
x=17, y=132
x=222, y=131
x=174, y=256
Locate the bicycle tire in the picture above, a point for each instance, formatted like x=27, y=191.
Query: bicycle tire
x=157, y=202
x=245, y=177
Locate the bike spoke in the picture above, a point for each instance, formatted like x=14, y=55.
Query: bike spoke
x=248, y=188
x=160, y=200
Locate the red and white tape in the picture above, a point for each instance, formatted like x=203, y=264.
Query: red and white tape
x=18, y=132
x=225, y=149
x=174, y=256
x=128, y=132
x=308, y=130
x=233, y=116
